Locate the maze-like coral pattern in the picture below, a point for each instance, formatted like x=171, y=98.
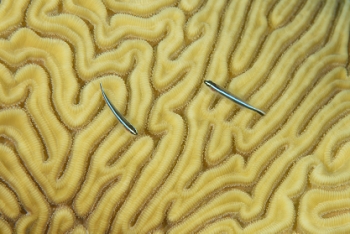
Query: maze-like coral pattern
x=200, y=163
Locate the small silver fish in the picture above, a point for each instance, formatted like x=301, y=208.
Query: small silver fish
x=230, y=96
x=117, y=114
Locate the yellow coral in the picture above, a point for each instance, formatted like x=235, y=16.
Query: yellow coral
x=200, y=163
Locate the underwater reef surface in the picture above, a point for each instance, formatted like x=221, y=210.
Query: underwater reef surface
x=200, y=163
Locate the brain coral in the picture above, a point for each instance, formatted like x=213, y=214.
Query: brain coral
x=200, y=163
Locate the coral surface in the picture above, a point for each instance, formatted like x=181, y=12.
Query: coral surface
x=200, y=163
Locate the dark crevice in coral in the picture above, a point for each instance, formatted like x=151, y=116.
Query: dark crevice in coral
x=241, y=33
x=336, y=149
x=36, y=184
x=165, y=177
x=277, y=59
x=88, y=159
x=315, y=111
x=295, y=12
x=209, y=197
x=125, y=196
x=232, y=50
x=252, y=123
x=260, y=45
x=12, y=222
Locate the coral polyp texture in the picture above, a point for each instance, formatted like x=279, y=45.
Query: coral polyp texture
x=200, y=163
